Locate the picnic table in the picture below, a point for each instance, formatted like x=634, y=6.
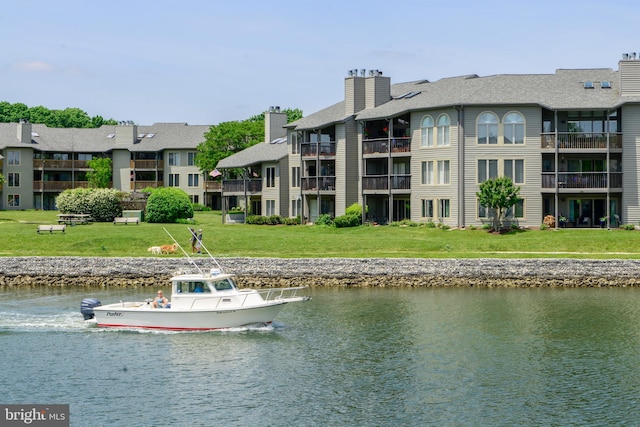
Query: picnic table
x=73, y=219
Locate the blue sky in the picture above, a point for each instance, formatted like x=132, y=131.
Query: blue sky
x=206, y=62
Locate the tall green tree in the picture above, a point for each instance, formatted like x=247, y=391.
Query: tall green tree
x=100, y=174
x=227, y=138
x=67, y=118
x=498, y=195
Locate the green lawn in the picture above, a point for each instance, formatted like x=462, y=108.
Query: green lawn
x=19, y=238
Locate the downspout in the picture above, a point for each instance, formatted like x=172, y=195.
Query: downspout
x=389, y=171
x=461, y=168
x=608, y=175
x=556, y=165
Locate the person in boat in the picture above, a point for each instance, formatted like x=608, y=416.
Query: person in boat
x=160, y=301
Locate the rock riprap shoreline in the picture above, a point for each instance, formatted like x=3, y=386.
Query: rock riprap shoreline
x=365, y=272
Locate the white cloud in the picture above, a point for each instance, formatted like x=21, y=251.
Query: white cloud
x=35, y=66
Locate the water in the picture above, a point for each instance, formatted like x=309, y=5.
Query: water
x=349, y=357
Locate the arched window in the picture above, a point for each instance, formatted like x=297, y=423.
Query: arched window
x=487, y=128
x=514, y=128
x=426, y=129
x=443, y=130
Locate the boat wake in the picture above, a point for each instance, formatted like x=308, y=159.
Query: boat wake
x=16, y=321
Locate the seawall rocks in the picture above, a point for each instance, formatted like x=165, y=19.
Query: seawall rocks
x=345, y=272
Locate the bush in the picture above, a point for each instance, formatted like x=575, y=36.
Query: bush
x=348, y=221
x=103, y=204
x=324, y=219
x=628, y=227
x=168, y=204
x=197, y=207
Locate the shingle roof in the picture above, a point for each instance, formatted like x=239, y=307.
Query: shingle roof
x=260, y=153
x=165, y=136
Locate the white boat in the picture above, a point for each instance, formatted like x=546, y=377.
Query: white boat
x=199, y=301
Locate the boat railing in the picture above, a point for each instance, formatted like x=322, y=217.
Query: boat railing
x=275, y=294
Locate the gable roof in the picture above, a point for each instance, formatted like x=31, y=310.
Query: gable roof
x=263, y=152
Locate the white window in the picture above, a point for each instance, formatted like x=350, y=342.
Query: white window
x=174, y=180
x=13, y=158
x=443, y=172
x=296, y=207
x=443, y=208
x=13, y=200
x=514, y=128
x=271, y=207
x=514, y=169
x=427, y=208
x=191, y=159
x=444, y=126
x=487, y=128
x=487, y=169
x=426, y=131
x=516, y=211
x=271, y=176
x=13, y=179
x=427, y=173
x=295, y=176
x=174, y=159
x=194, y=179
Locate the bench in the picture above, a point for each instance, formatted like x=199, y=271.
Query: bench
x=73, y=219
x=52, y=228
x=125, y=220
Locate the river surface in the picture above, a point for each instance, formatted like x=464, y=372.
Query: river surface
x=348, y=357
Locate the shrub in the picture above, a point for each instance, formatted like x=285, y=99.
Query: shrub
x=543, y=226
x=103, y=204
x=255, y=219
x=197, y=207
x=168, y=204
x=324, y=219
x=274, y=220
x=430, y=224
x=628, y=227
x=292, y=221
x=348, y=221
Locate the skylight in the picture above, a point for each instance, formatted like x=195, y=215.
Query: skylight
x=111, y=135
x=588, y=85
x=151, y=135
x=605, y=84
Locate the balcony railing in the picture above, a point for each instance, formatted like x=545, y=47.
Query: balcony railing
x=313, y=149
x=322, y=183
x=401, y=182
x=60, y=164
x=581, y=141
x=58, y=185
x=250, y=186
x=378, y=182
x=381, y=145
x=582, y=180
x=147, y=164
x=214, y=185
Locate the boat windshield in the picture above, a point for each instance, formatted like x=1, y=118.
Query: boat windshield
x=223, y=285
x=195, y=287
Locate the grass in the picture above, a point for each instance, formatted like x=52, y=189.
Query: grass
x=19, y=238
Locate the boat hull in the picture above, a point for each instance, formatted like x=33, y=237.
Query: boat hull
x=121, y=316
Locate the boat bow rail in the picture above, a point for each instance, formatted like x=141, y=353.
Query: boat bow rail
x=285, y=294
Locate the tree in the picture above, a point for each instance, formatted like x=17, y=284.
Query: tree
x=227, y=138
x=100, y=174
x=498, y=195
x=67, y=118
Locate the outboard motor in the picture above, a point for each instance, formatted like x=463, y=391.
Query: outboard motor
x=86, y=307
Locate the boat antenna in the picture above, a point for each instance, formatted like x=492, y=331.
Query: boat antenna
x=191, y=261
x=207, y=251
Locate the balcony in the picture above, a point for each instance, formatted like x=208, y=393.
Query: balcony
x=572, y=182
x=315, y=149
x=242, y=186
x=60, y=164
x=58, y=186
x=596, y=141
x=399, y=146
x=380, y=184
x=147, y=164
x=214, y=185
x=315, y=183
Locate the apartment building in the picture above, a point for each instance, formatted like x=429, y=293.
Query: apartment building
x=420, y=150
x=40, y=162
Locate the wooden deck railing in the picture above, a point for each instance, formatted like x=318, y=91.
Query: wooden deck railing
x=581, y=141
